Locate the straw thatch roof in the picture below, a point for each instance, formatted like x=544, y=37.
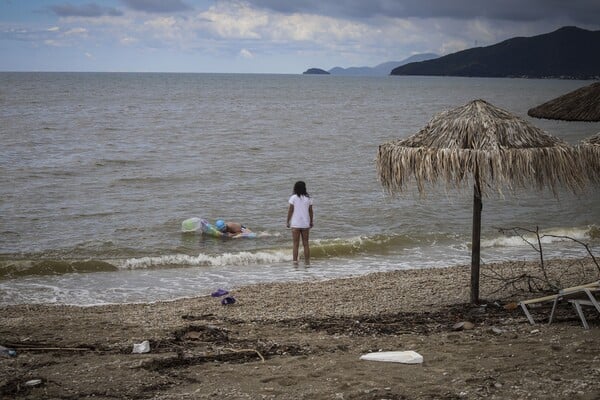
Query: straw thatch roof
x=593, y=141
x=482, y=142
x=582, y=104
x=590, y=150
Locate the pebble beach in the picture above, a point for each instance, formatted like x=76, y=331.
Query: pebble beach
x=304, y=340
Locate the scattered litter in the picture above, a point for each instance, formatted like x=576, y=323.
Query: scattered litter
x=228, y=300
x=497, y=331
x=535, y=331
x=219, y=293
x=463, y=326
x=404, y=357
x=143, y=347
x=6, y=352
x=33, y=382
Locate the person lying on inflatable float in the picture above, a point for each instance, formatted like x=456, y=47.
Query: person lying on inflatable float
x=231, y=228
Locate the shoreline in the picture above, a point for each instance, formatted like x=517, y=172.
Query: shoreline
x=310, y=335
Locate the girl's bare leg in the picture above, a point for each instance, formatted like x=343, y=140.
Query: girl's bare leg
x=296, y=243
x=304, y=233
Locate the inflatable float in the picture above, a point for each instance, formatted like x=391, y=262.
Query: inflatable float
x=196, y=224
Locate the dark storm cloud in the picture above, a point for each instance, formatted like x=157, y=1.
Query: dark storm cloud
x=157, y=6
x=84, y=10
x=508, y=10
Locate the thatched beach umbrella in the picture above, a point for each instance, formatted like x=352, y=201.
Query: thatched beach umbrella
x=593, y=141
x=590, y=155
x=582, y=104
x=482, y=145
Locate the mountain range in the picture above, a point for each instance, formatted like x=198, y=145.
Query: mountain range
x=568, y=52
x=380, y=69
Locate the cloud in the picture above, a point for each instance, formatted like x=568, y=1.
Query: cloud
x=157, y=6
x=76, y=32
x=316, y=32
x=89, y=10
x=162, y=24
x=245, y=53
x=128, y=41
x=52, y=42
x=240, y=21
x=235, y=21
x=54, y=36
x=585, y=11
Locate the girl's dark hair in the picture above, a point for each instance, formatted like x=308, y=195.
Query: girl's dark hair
x=300, y=189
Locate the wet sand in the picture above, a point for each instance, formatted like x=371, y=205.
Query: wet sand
x=303, y=341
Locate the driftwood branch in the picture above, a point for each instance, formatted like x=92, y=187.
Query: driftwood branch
x=53, y=349
x=544, y=283
x=246, y=351
x=585, y=245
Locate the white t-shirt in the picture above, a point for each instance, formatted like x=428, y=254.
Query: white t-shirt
x=300, y=216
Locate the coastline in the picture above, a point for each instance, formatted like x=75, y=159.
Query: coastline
x=311, y=335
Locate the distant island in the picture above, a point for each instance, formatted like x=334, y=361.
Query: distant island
x=315, y=71
x=382, y=69
x=567, y=53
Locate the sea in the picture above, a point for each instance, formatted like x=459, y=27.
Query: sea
x=99, y=170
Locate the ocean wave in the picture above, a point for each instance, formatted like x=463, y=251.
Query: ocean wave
x=21, y=268
x=428, y=245
x=319, y=249
x=357, y=245
x=113, y=259
x=241, y=258
x=548, y=236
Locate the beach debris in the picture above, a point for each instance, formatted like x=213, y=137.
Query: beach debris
x=228, y=300
x=222, y=292
x=404, y=357
x=40, y=348
x=511, y=306
x=219, y=293
x=33, y=382
x=497, y=331
x=246, y=351
x=463, y=326
x=7, y=352
x=143, y=347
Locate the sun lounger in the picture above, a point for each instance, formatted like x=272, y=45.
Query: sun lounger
x=584, y=295
x=574, y=292
x=538, y=300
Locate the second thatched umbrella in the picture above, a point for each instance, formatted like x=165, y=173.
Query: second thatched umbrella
x=582, y=104
x=483, y=145
x=590, y=156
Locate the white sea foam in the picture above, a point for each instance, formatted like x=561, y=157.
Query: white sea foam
x=236, y=259
x=548, y=236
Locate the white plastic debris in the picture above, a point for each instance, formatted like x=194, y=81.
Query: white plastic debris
x=404, y=357
x=143, y=347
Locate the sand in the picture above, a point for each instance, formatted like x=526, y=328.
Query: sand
x=303, y=341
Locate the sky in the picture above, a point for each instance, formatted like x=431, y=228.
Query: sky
x=263, y=36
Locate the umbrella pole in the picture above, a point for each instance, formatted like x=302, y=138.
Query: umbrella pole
x=476, y=239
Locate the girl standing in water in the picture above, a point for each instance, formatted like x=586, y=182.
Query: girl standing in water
x=300, y=219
